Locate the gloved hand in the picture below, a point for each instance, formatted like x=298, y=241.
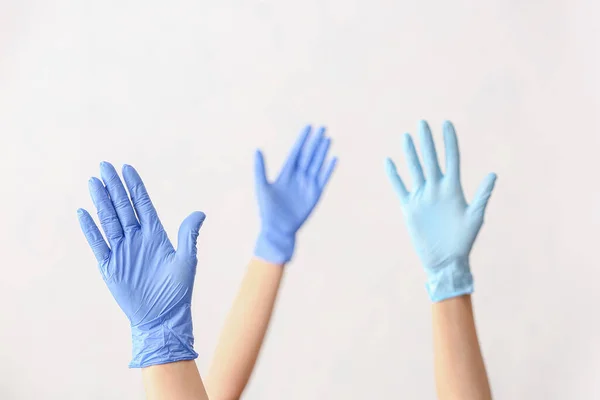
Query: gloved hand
x=151, y=282
x=286, y=203
x=443, y=227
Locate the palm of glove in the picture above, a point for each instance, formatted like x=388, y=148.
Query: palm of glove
x=439, y=225
x=284, y=206
x=146, y=279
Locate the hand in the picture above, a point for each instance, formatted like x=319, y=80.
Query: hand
x=151, y=282
x=443, y=227
x=286, y=203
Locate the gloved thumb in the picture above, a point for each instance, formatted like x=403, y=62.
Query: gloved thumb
x=260, y=173
x=188, y=235
x=477, y=207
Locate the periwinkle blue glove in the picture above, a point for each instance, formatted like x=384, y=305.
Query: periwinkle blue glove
x=286, y=203
x=443, y=227
x=151, y=282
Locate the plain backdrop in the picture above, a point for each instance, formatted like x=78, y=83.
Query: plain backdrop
x=186, y=90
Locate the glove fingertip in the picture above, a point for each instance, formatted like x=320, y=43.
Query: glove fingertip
x=200, y=215
x=423, y=125
x=390, y=166
x=129, y=173
x=196, y=220
x=259, y=167
x=408, y=143
x=490, y=182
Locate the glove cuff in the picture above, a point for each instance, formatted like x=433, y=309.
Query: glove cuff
x=453, y=280
x=171, y=340
x=275, y=247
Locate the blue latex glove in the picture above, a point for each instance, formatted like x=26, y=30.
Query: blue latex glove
x=443, y=227
x=151, y=282
x=286, y=203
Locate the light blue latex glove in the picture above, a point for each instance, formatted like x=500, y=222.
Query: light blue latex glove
x=286, y=203
x=443, y=227
x=151, y=282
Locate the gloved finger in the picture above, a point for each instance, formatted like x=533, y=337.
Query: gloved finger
x=188, y=236
x=93, y=235
x=292, y=161
x=414, y=166
x=479, y=203
x=307, y=156
x=119, y=197
x=106, y=211
x=319, y=158
x=452, y=153
x=141, y=201
x=392, y=173
x=260, y=173
x=430, y=161
x=324, y=178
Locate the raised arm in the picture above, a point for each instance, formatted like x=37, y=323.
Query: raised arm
x=443, y=228
x=151, y=282
x=284, y=206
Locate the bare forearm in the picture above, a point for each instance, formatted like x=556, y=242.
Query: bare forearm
x=284, y=205
x=174, y=381
x=244, y=331
x=459, y=367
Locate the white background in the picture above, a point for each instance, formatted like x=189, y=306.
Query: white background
x=185, y=90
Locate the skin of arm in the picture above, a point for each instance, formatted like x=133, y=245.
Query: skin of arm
x=459, y=368
x=244, y=330
x=443, y=228
x=284, y=205
x=177, y=381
